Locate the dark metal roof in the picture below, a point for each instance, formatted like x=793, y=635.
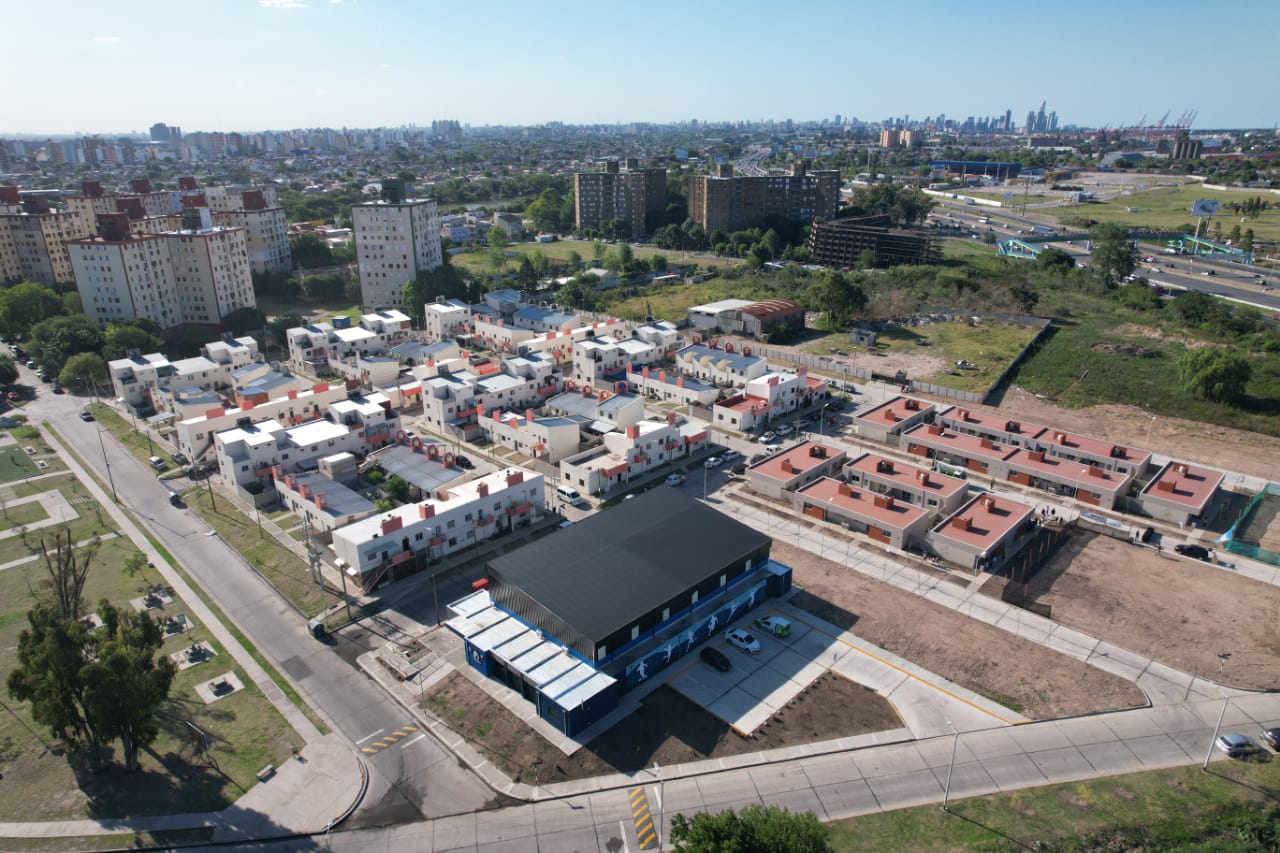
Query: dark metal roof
x=607, y=571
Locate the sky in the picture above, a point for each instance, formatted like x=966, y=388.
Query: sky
x=116, y=66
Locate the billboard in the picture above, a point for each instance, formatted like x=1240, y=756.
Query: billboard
x=1205, y=207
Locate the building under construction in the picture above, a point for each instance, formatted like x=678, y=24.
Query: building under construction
x=840, y=242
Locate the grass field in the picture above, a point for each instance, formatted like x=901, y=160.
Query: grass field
x=15, y=464
x=558, y=253
x=88, y=524
x=1159, y=810
x=991, y=346
x=673, y=301
x=245, y=732
x=1170, y=207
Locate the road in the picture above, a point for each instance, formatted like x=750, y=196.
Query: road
x=419, y=780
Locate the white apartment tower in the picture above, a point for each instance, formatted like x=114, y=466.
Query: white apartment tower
x=395, y=240
x=266, y=232
x=125, y=276
x=210, y=268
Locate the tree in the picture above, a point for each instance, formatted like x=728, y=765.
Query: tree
x=136, y=564
x=1216, y=375
x=1114, y=256
x=126, y=683
x=55, y=340
x=497, y=238
x=309, y=252
x=525, y=273
x=26, y=304
x=85, y=370
x=8, y=370
x=280, y=325
x=867, y=259
x=575, y=259
x=1056, y=260
x=51, y=653
x=122, y=337
x=756, y=829
x=837, y=297
x=658, y=263
x=68, y=570
x=1246, y=240
x=397, y=488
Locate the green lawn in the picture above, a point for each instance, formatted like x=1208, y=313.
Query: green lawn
x=991, y=346
x=20, y=515
x=1158, y=810
x=1170, y=207
x=89, y=523
x=15, y=464
x=245, y=732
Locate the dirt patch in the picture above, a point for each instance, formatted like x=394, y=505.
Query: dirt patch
x=1123, y=349
x=1027, y=677
x=1180, y=612
x=667, y=728
x=1133, y=330
x=1222, y=447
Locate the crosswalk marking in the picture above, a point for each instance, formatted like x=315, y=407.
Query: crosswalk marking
x=384, y=741
x=642, y=819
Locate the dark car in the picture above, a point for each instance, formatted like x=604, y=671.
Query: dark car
x=1196, y=552
x=715, y=657
x=1148, y=535
x=178, y=458
x=464, y=462
x=176, y=500
x=1271, y=737
x=86, y=416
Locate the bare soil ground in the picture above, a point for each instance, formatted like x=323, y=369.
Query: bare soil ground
x=1222, y=447
x=1022, y=675
x=1178, y=611
x=667, y=728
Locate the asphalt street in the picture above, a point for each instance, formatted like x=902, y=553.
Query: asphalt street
x=419, y=780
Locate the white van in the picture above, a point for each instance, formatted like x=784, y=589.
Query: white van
x=569, y=496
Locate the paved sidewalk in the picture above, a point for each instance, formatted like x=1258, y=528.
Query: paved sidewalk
x=300, y=722
x=324, y=783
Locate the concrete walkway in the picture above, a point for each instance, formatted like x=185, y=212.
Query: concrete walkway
x=22, y=561
x=1162, y=684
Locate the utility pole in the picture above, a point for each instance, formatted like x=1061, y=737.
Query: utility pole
x=313, y=553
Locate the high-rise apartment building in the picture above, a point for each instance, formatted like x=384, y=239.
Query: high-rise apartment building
x=266, y=232
x=10, y=268
x=396, y=238
x=39, y=235
x=634, y=194
x=723, y=202
x=210, y=268
x=890, y=138
x=124, y=276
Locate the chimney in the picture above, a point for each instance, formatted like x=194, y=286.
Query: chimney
x=1095, y=471
x=671, y=418
x=513, y=421
x=989, y=503
x=515, y=478
x=1180, y=468
x=1060, y=437
x=1036, y=456
x=528, y=416
x=962, y=414
x=787, y=467
x=482, y=489
x=846, y=490
x=891, y=416
x=960, y=523
x=392, y=524
x=679, y=381
x=425, y=511
x=923, y=477
x=633, y=432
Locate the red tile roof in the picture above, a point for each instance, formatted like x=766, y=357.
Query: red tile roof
x=881, y=510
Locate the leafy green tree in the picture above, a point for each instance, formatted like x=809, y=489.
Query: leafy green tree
x=755, y=829
x=1114, y=256
x=544, y=211
x=324, y=287
x=1216, y=375
x=55, y=340
x=310, y=252
x=126, y=682
x=244, y=320
x=597, y=250
x=1246, y=240
x=1056, y=260
x=658, y=263
x=497, y=238
x=72, y=303
x=397, y=488
x=26, y=304
x=280, y=325
x=51, y=654
x=8, y=370
x=867, y=259
x=575, y=259
x=525, y=273
x=121, y=337
x=85, y=370
x=836, y=296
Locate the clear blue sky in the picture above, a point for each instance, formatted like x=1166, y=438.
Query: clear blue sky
x=257, y=64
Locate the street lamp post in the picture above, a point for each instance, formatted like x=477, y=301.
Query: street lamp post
x=955, y=743
x=1223, y=657
x=822, y=416
x=662, y=800
x=1149, y=426
x=107, y=462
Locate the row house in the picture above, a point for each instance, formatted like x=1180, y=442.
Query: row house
x=1184, y=494
x=605, y=360
x=881, y=517
x=327, y=503
x=412, y=536
x=312, y=347
x=984, y=534
x=550, y=438
x=604, y=412
x=659, y=385
x=194, y=435
x=631, y=452
x=726, y=367
x=663, y=334
x=890, y=419
x=445, y=319
x=795, y=468
x=935, y=493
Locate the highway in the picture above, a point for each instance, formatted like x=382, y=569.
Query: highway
x=406, y=784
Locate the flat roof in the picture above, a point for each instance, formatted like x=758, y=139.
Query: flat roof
x=969, y=446
x=1189, y=486
x=704, y=354
x=800, y=459
x=1065, y=471
x=314, y=432
x=907, y=476
x=428, y=475
x=881, y=510
x=984, y=522
x=722, y=305
x=894, y=410
x=995, y=422
x=339, y=499
x=1095, y=447
x=607, y=571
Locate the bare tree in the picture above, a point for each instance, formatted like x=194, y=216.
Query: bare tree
x=68, y=571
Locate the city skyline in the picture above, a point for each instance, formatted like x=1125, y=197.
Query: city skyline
x=276, y=64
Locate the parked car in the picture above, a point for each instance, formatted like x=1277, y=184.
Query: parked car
x=175, y=499
x=759, y=457
x=775, y=625
x=178, y=459
x=1271, y=737
x=463, y=462
x=157, y=463
x=784, y=430
x=675, y=479
x=715, y=657
x=1235, y=745
x=86, y=416
x=1196, y=552
x=713, y=462
x=742, y=641
x=769, y=435
x=730, y=455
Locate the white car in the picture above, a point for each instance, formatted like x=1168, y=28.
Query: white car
x=742, y=641
x=676, y=479
x=713, y=462
x=784, y=430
